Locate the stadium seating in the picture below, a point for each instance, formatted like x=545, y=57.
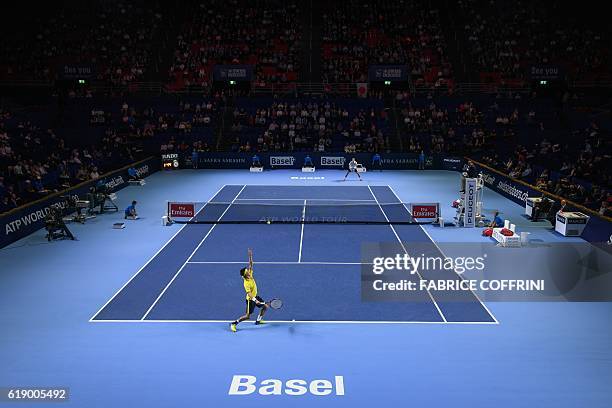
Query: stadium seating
x=553, y=140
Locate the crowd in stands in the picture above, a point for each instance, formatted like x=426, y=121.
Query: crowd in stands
x=357, y=34
x=579, y=173
x=114, y=39
x=309, y=126
x=127, y=42
x=512, y=137
x=170, y=126
x=435, y=129
x=35, y=162
x=238, y=32
x=567, y=168
x=507, y=44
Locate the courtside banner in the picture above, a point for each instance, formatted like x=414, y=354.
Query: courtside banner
x=332, y=161
x=282, y=161
x=425, y=210
x=389, y=161
x=226, y=160
x=507, y=187
x=181, y=210
x=23, y=221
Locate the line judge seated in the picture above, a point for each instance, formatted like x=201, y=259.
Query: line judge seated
x=308, y=161
x=133, y=174
x=376, y=162
x=541, y=209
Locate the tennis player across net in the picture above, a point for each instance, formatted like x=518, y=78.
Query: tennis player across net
x=302, y=212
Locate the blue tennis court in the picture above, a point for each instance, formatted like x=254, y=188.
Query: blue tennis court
x=139, y=316
x=315, y=268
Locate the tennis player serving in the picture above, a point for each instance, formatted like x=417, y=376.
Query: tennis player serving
x=252, y=300
x=352, y=168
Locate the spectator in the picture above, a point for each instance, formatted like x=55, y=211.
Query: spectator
x=93, y=174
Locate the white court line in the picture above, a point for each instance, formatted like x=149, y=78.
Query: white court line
x=302, y=322
x=149, y=261
x=302, y=233
x=282, y=263
x=188, y=259
x=300, y=199
x=444, y=255
x=406, y=252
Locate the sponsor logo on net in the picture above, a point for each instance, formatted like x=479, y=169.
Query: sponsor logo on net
x=424, y=214
x=282, y=160
x=248, y=385
x=332, y=160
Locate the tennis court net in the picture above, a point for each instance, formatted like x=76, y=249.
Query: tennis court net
x=302, y=212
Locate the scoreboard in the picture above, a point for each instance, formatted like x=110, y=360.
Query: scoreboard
x=170, y=161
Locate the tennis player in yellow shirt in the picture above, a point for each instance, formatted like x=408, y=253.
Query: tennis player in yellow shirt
x=252, y=300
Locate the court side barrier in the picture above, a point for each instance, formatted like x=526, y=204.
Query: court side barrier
x=295, y=160
x=23, y=221
x=597, y=231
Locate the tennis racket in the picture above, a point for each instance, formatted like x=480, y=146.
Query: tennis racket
x=275, y=304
